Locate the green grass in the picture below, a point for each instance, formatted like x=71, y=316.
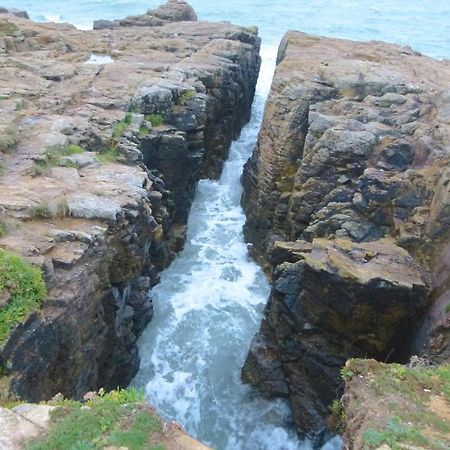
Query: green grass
x=107, y=156
x=405, y=393
x=122, y=126
x=119, y=418
x=24, y=284
x=8, y=28
x=395, y=432
x=155, y=119
x=53, y=157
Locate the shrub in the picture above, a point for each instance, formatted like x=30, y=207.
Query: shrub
x=25, y=286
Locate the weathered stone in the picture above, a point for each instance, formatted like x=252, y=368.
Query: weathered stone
x=339, y=299
x=174, y=11
x=103, y=223
x=355, y=144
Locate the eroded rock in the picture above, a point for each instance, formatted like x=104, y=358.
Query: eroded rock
x=99, y=175
x=346, y=193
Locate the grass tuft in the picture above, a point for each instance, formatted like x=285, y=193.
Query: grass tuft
x=155, y=119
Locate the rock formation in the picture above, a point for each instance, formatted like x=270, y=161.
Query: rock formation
x=346, y=196
x=103, y=136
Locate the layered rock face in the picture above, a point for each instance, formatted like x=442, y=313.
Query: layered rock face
x=349, y=174
x=103, y=136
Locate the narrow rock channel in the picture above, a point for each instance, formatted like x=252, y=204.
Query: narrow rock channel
x=207, y=309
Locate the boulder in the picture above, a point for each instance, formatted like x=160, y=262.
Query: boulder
x=339, y=299
x=174, y=11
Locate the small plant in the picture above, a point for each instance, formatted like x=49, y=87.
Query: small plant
x=122, y=126
x=336, y=421
x=186, y=96
x=25, y=287
x=52, y=158
x=346, y=373
x=41, y=211
x=155, y=119
x=8, y=140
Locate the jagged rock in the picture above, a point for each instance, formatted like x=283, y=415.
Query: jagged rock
x=104, y=222
x=340, y=298
x=355, y=144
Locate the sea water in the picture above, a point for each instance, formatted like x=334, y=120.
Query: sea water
x=210, y=301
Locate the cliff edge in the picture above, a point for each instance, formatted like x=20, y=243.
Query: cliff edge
x=346, y=196
x=103, y=136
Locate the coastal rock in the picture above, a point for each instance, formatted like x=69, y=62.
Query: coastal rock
x=14, y=12
x=338, y=298
x=98, y=175
x=174, y=11
x=354, y=149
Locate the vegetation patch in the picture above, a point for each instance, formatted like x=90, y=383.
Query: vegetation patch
x=22, y=290
x=8, y=139
x=8, y=28
x=122, y=126
x=119, y=418
x=52, y=158
x=108, y=156
x=407, y=405
x=3, y=229
x=155, y=119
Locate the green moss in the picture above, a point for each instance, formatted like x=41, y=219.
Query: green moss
x=186, y=96
x=119, y=418
x=23, y=283
x=155, y=119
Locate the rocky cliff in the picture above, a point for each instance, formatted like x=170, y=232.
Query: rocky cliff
x=346, y=196
x=103, y=136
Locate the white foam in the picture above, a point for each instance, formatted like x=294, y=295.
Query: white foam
x=99, y=59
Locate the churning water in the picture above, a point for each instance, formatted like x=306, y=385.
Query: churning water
x=210, y=301
x=207, y=308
